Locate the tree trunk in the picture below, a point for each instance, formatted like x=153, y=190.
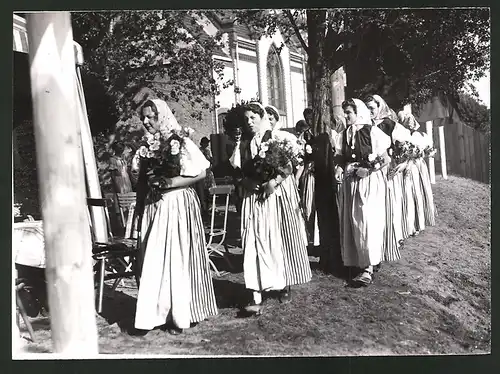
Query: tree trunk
x=319, y=72
x=62, y=185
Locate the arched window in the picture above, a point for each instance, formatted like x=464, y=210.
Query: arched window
x=275, y=84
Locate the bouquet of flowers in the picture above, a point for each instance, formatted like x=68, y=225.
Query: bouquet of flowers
x=372, y=162
x=405, y=151
x=276, y=157
x=430, y=151
x=162, y=156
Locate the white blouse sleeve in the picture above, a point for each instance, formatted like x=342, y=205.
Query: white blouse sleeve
x=380, y=141
x=193, y=161
x=338, y=140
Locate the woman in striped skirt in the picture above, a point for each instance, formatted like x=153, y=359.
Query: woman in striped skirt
x=413, y=206
x=423, y=142
x=363, y=190
x=176, y=285
x=382, y=117
x=307, y=182
x=292, y=225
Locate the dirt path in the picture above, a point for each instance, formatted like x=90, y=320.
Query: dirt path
x=435, y=300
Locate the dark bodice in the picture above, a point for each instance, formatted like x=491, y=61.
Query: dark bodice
x=362, y=145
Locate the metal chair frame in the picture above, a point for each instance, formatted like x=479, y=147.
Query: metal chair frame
x=215, y=248
x=113, y=250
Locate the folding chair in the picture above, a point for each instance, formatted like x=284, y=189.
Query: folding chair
x=21, y=309
x=112, y=256
x=215, y=248
x=126, y=204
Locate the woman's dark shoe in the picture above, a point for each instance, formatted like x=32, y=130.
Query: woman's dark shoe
x=174, y=330
x=285, y=295
x=363, y=279
x=253, y=308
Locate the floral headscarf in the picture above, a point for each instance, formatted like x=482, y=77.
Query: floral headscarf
x=166, y=119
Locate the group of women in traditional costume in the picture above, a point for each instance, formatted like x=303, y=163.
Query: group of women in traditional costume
x=369, y=211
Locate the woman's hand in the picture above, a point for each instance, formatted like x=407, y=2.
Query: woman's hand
x=362, y=172
x=397, y=169
x=160, y=182
x=250, y=185
x=339, y=175
x=268, y=188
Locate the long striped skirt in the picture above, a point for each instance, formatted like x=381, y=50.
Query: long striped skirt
x=426, y=190
x=263, y=260
x=413, y=216
x=307, y=192
x=393, y=230
x=419, y=198
x=363, y=220
x=176, y=283
x=293, y=234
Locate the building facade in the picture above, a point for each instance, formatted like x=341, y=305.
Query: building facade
x=267, y=69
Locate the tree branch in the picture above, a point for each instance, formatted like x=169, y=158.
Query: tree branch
x=297, y=30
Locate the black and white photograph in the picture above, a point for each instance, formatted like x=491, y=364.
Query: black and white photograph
x=251, y=183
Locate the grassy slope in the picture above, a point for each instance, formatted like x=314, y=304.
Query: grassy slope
x=436, y=300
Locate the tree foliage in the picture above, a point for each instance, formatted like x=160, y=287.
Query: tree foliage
x=473, y=113
x=405, y=55
x=128, y=50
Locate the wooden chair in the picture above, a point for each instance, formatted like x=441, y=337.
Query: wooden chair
x=119, y=256
x=215, y=248
x=126, y=204
x=22, y=310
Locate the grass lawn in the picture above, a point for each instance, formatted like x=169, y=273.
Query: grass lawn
x=435, y=300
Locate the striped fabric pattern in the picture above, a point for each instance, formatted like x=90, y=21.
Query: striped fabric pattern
x=418, y=197
x=176, y=283
x=203, y=302
x=391, y=247
x=408, y=216
x=426, y=189
x=307, y=193
x=293, y=234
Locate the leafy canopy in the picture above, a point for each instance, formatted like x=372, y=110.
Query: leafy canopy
x=127, y=50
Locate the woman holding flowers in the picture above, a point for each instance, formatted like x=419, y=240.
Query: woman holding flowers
x=361, y=154
x=264, y=261
x=384, y=118
x=306, y=180
x=292, y=224
x=176, y=286
x=423, y=143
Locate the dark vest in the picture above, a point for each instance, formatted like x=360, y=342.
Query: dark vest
x=362, y=147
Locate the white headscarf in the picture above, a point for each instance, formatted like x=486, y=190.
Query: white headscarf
x=166, y=119
x=278, y=124
x=383, y=110
x=362, y=118
x=362, y=113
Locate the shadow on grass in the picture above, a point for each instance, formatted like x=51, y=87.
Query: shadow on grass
x=119, y=308
x=231, y=294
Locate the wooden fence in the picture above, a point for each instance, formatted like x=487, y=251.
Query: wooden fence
x=467, y=151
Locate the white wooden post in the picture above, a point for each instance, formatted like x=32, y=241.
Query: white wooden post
x=92, y=178
x=442, y=151
x=432, y=168
x=62, y=185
